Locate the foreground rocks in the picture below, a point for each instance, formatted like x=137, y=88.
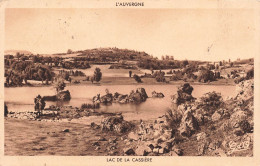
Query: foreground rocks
x=115, y=124
x=210, y=126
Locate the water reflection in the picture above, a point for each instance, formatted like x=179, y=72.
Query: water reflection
x=21, y=98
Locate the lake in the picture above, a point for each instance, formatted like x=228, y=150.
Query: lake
x=22, y=98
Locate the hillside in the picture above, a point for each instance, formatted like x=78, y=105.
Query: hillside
x=13, y=52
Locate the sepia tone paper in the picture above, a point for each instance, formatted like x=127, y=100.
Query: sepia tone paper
x=188, y=30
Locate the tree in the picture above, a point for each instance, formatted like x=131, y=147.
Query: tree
x=130, y=73
x=97, y=75
x=59, y=85
x=137, y=78
x=47, y=76
x=69, y=51
x=41, y=74
x=206, y=76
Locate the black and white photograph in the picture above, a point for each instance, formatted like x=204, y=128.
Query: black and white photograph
x=129, y=82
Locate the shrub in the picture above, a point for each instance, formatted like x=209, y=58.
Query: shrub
x=211, y=101
x=137, y=78
x=159, y=76
x=90, y=106
x=173, y=118
x=206, y=76
x=97, y=75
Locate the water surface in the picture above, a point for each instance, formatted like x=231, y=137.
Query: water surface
x=21, y=98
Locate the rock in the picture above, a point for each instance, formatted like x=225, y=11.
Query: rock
x=156, y=150
x=150, y=145
x=184, y=94
x=237, y=117
x=142, y=92
x=172, y=153
x=133, y=136
x=157, y=134
x=157, y=95
x=245, y=89
x=171, y=142
x=128, y=151
x=112, y=153
x=63, y=96
x=215, y=117
x=158, y=141
x=142, y=150
x=138, y=96
x=108, y=98
x=96, y=144
x=116, y=124
x=102, y=139
x=201, y=148
x=161, y=151
x=178, y=151
x=97, y=148
x=66, y=130
x=111, y=140
x=166, y=146
x=188, y=125
x=201, y=136
x=221, y=152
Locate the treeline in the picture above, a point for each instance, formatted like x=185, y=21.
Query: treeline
x=77, y=63
x=23, y=71
x=66, y=75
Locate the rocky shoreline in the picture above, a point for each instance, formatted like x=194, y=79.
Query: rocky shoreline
x=208, y=126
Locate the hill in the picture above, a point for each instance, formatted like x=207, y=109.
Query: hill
x=13, y=52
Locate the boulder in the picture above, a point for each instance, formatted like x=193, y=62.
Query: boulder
x=183, y=94
x=215, y=117
x=142, y=92
x=138, y=96
x=63, y=96
x=133, y=136
x=245, y=89
x=157, y=95
x=116, y=124
x=177, y=150
x=172, y=153
x=201, y=136
x=156, y=150
x=142, y=150
x=237, y=117
x=189, y=124
x=129, y=151
x=108, y=98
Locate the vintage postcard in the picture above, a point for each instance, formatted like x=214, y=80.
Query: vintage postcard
x=130, y=82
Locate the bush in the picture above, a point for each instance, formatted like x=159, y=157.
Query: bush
x=159, y=76
x=137, y=78
x=173, y=118
x=211, y=101
x=206, y=76
x=59, y=86
x=250, y=74
x=176, y=76
x=90, y=106
x=97, y=75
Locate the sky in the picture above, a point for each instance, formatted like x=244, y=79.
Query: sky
x=193, y=34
